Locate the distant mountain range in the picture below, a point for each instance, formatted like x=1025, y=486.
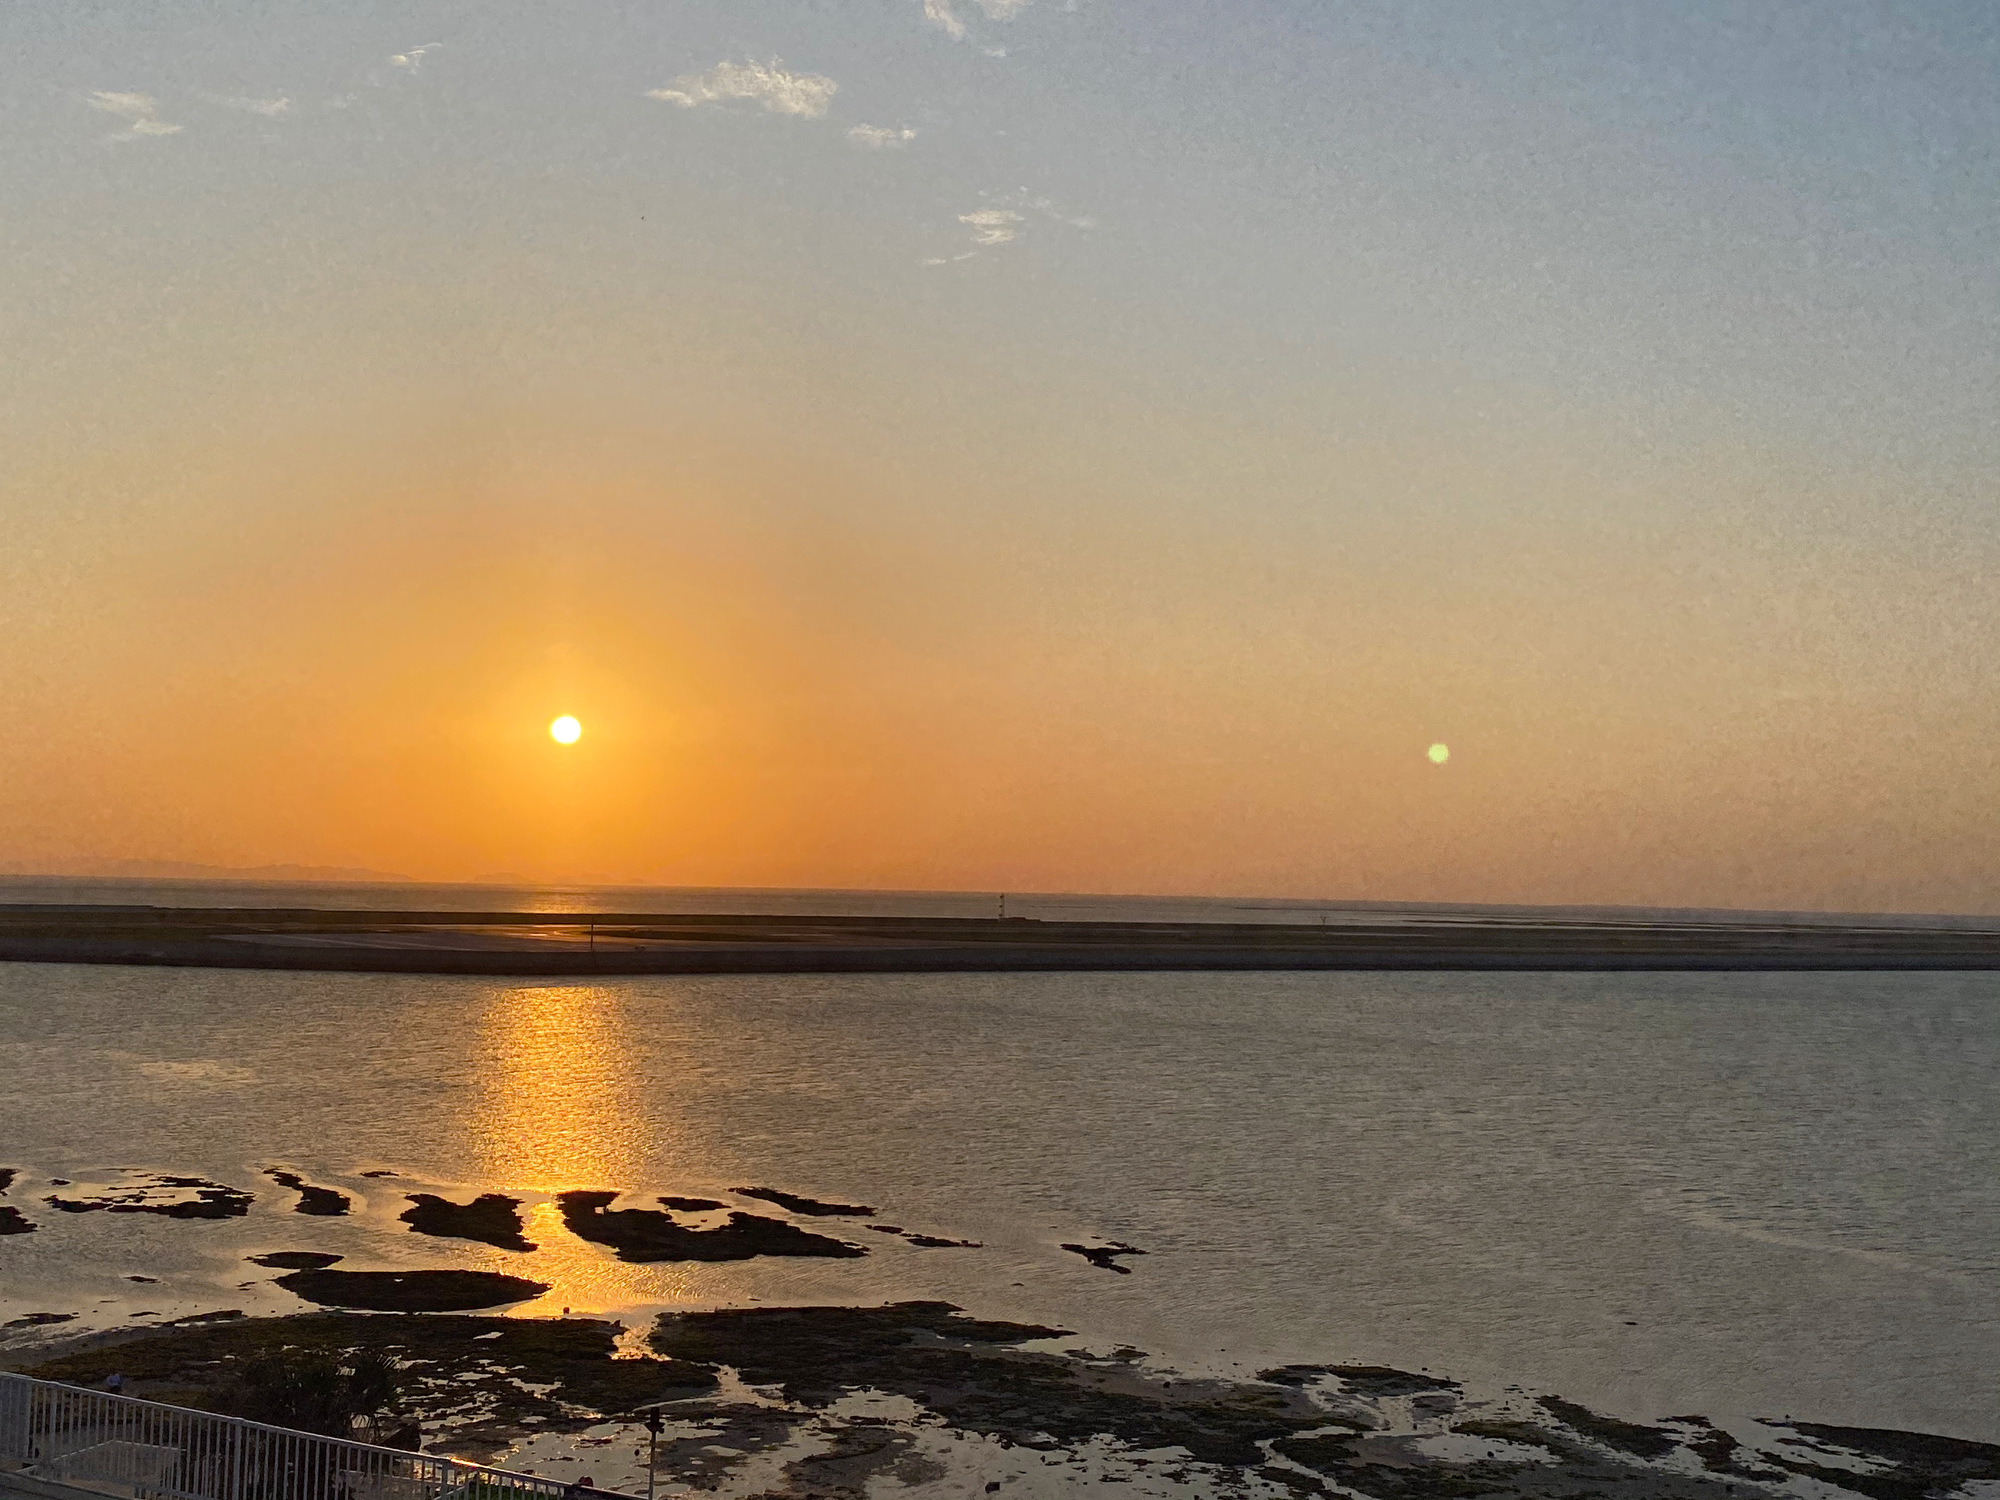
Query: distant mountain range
x=181, y=869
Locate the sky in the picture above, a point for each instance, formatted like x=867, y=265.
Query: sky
x=1072, y=445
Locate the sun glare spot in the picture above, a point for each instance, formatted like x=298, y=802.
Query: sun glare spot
x=1439, y=754
x=565, y=731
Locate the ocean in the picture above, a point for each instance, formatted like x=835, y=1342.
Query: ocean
x=1756, y=1194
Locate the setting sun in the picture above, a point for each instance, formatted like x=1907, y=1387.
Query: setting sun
x=566, y=730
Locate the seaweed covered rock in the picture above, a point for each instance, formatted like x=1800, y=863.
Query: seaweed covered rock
x=491, y=1219
x=643, y=1234
x=410, y=1291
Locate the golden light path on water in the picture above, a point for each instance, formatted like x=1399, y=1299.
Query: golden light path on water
x=564, y=1107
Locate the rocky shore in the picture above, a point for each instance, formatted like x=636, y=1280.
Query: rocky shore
x=920, y=1397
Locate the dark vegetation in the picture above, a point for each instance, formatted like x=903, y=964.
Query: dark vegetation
x=313, y=1390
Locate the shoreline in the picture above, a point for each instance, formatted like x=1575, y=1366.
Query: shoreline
x=536, y=944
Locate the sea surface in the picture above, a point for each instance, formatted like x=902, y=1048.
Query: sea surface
x=1754, y=1195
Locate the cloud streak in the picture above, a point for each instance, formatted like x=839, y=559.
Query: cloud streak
x=881, y=137
x=805, y=95
x=993, y=226
x=412, y=60
x=139, y=111
x=941, y=15
x=270, y=109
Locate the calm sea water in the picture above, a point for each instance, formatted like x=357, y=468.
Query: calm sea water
x=1732, y=1194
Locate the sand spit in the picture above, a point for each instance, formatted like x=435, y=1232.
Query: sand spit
x=535, y=943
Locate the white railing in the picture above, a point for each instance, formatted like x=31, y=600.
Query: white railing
x=144, y=1450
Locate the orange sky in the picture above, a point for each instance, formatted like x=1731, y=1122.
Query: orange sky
x=1146, y=550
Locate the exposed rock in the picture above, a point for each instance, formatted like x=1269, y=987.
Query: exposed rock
x=39, y=1320
x=810, y=1207
x=319, y=1201
x=294, y=1260
x=13, y=1221
x=1628, y=1437
x=1375, y=1381
x=211, y=1200
x=969, y=1372
x=491, y=1218
x=410, y=1291
x=641, y=1234
x=1105, y=1256
x=692, y=1205
x=1920, y=1464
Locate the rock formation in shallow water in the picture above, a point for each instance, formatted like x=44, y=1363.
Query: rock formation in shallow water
x=810, y=1207
x=642, y=1234
x=491, y=1218
x=410, y=1291
x=163, y=1196
x=1105, y=1257
x=294, y=1260
x=319, y=1201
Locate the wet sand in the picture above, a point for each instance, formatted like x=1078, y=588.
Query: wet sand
x=516, y=943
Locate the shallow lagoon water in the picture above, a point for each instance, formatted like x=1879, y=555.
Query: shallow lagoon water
x=1751, y=1195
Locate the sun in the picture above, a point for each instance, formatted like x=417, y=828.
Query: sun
x=566, y=730
x=1439, y=754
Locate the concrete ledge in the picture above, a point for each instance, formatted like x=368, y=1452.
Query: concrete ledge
x=17, y=1482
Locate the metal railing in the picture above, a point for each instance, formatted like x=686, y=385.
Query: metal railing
x=145, y=1450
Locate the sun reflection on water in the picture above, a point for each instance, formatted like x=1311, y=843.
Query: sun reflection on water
x=564, y=1105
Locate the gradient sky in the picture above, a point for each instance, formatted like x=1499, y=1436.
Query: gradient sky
x=1009, y=444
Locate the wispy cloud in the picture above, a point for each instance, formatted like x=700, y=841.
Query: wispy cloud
x=270, y=109
x=941, y=15
x=994, y=226
x=804, y=94
x=412, y=60
x=881, y=137
x=1007, y=220
x=141, y=112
